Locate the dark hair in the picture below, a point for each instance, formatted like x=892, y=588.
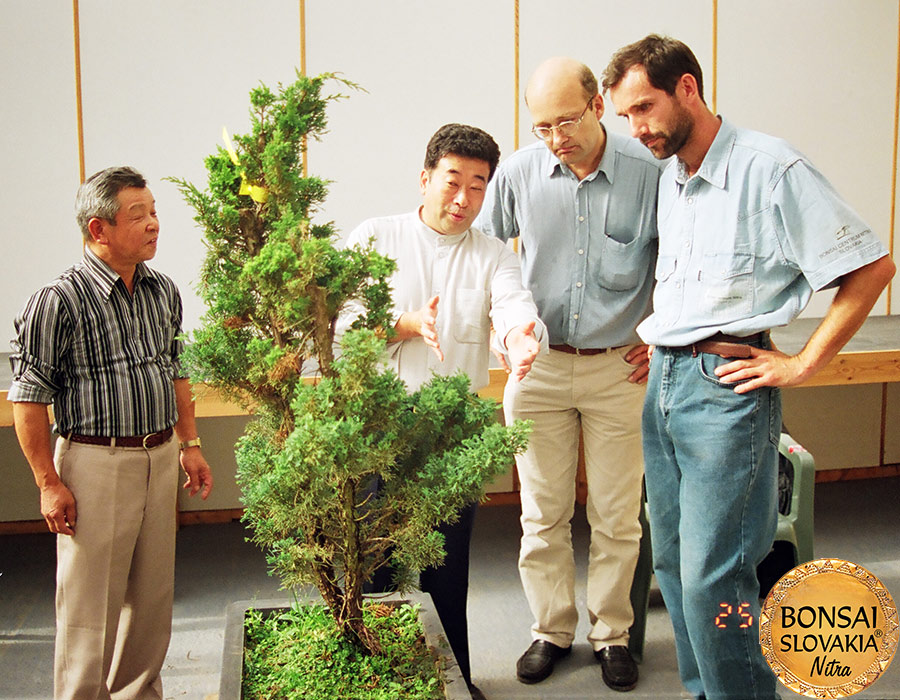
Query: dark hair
x=665, y=59
x=463, y=141
x=97, y=197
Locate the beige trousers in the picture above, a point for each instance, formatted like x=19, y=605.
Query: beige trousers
x=115, y=576
x=566, y=395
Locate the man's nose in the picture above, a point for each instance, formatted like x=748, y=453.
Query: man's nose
x=557, y=136
x=638, y=127
x=462, y=198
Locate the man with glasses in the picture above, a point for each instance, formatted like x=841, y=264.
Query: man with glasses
x=582, y=203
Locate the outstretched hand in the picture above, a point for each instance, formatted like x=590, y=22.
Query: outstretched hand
x=523, y=347
x=427, y=320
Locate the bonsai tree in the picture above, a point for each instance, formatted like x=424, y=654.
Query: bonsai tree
x=327, y=430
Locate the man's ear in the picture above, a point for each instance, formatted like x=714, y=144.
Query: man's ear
x=687, y=83
x=598, y=105
x=423, y=180
x=97, y=229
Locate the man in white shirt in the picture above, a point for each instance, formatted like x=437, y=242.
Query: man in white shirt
x=451, y=284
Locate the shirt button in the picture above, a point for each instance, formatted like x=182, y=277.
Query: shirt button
x=578, y=284
x=690, y=200
x=581, y=218
x=581, y=251
x=678, y=285
x=575, y=316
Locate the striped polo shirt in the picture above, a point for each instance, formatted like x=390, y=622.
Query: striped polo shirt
x=103, y=357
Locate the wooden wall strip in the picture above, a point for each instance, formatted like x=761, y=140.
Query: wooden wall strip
x=893, y=219
x=303, y=72
x=715, y=55
x=79, y=113
x=516, y=75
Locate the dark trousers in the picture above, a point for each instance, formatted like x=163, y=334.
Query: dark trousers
x=448, y=585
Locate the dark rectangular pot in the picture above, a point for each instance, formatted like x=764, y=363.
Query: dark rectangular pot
x=233, y=653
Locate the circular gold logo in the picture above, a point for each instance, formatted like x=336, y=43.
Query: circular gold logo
x=828, y=629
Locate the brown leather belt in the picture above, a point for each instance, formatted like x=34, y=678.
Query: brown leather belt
x=725, y=345
x=582, y=351
x=148, y=441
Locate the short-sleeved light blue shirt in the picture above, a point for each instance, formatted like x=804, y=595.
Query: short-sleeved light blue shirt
x=746, y=240
x=587, y=247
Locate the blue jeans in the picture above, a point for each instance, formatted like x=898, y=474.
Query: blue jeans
x=711, y=462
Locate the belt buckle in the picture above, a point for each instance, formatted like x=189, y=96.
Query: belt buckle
x=144, y=440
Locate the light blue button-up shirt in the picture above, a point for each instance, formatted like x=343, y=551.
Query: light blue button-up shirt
x=746, y=240
x=587, y=247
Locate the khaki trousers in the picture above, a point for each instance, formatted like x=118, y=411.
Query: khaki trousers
x=115, y=576
x=566, y=395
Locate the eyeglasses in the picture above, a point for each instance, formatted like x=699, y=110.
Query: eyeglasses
x=566, y=128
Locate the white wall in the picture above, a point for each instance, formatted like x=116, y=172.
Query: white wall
x=823, y=76
x=161, y=78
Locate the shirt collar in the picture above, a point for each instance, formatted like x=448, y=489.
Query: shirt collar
x=434, y=236
x=608, y=160
x=606, y=165
x=714, y=168
x=105, y=277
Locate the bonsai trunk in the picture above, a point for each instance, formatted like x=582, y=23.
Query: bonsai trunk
x=346, y=604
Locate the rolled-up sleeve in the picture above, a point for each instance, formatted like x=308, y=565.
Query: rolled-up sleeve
x=42, y=335
x=498, y=215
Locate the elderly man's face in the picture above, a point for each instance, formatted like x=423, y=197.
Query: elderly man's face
x=453, y=193
x=132, y=238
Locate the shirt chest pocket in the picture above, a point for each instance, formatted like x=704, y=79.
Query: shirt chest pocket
x=623, y=265
x=470, y=317
x=727, y=284
x=665, y=267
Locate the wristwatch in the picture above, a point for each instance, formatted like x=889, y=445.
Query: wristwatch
x=189, y=443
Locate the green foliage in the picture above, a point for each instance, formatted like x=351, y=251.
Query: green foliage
x=274, y=284
x=279, y=646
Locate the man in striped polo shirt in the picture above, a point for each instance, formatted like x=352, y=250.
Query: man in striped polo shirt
x=101, y=343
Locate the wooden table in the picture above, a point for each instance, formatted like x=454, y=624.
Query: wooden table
x=871, y=357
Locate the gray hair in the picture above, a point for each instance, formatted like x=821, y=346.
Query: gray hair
x=97, y=197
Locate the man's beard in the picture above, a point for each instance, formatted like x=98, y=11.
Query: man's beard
x=670, y=143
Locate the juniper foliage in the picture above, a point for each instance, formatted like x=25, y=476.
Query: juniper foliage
x=274, y=284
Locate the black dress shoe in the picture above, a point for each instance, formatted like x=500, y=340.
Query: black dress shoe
x=619, y=670
x=537, y=661
x=476, y=693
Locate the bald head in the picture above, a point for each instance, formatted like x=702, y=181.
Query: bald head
x=565, y=112
x=560, y=76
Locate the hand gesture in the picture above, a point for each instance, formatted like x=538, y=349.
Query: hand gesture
x=427, y=318
x=523, y=347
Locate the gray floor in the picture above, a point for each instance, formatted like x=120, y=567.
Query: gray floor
x=854, y=520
